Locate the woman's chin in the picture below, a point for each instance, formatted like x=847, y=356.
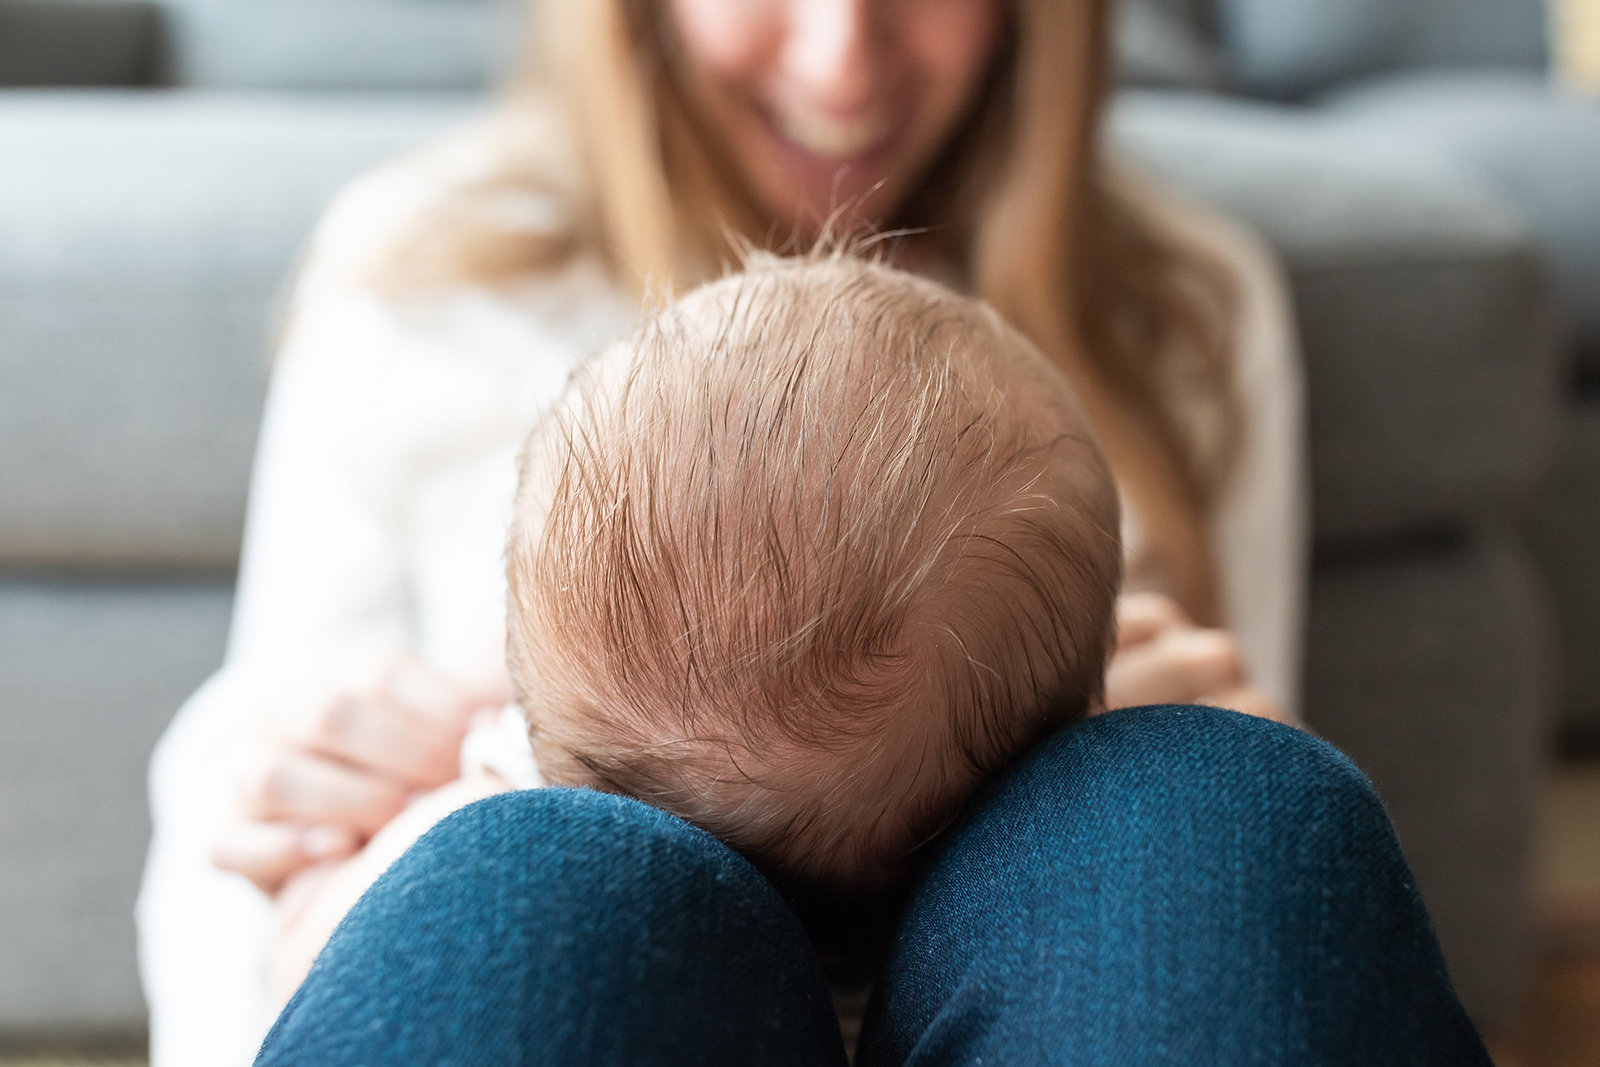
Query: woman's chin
x=841, y=215
x=807, y=191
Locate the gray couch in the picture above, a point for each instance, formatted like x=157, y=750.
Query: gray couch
x=1466, y=82
x=145, y=235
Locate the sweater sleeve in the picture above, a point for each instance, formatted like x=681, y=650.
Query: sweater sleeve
x=322, y=580
x=1260, y=521
x=1261, y=527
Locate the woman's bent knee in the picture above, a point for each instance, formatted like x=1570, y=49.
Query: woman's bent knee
x=1180, y=884
x=563, y=926
x=571, y=833
x=1181, y=773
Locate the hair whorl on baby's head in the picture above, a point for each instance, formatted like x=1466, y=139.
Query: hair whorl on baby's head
x=806, y=560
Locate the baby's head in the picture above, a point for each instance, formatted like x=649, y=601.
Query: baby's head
x=806, y=560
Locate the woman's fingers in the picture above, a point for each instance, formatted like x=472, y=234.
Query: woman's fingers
x=1178, y=666
x=344, y=765
x=270, y=853
x=1142, y=616
x=376, y=734
x=434, y=699
x=407, y=725
x=304, y=787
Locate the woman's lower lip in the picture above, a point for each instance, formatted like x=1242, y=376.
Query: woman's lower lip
x=831, y=182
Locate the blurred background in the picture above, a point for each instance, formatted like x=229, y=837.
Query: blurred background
x=1428, y=171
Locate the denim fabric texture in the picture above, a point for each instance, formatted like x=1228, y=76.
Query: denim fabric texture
x=563, y=927
x=1170, y=886
x=1154, y=886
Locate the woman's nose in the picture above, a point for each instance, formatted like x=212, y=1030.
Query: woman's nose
x=832, y=53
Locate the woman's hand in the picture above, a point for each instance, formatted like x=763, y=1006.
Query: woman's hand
x=332, y=772
x=1163, y=658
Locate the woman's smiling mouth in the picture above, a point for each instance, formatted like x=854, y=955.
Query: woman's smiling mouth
x=839, y=140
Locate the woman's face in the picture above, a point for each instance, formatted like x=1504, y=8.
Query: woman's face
x=822, y=104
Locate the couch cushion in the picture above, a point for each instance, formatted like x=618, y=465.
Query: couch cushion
x=1160, y=43
x=1424, y=321
x=91, y=673
x=1540, y=147
x=341, y=44
x=1470, y=33
x=143, y=240
x=1429, y=668
x=1282, y=49
x=1287, y=48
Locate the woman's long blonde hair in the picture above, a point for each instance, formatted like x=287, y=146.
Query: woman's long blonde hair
x=1024, y=202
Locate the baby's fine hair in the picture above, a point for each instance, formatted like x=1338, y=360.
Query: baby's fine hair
x=802, y=562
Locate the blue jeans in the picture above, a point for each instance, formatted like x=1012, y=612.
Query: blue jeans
x=1156, y=885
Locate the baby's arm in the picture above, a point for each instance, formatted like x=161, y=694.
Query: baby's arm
x=313, y=902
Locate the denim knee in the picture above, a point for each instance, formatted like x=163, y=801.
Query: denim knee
x=1174, y=806
x=1169, y=885
x=1178, y=773
x=564, y=926
x=524, y=834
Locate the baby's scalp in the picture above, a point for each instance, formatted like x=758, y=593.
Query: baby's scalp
x=808, y=558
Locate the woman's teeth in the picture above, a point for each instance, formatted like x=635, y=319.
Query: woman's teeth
x=833, y=139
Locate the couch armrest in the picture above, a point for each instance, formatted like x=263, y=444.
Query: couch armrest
x=78, y=42
x=1425, y=314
